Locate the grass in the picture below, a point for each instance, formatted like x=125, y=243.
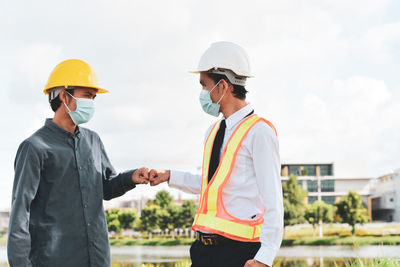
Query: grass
x=305, y=241
x=334, y=230
x=342, y=241
x=379, y=262
x=185, y=263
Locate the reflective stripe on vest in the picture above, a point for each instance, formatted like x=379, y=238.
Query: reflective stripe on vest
x=211, y=215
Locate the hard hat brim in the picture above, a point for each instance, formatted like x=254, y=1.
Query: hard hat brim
x=200, y=71
x=99, y=90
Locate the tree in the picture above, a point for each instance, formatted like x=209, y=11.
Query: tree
x=163, y=199
x=187, y=213
x=318, y=212
x=293, y=201
x=150, y=218
x=351, y=210
x=127, y=218
x=113, y=223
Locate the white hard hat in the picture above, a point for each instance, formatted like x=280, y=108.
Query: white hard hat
x=224, y=58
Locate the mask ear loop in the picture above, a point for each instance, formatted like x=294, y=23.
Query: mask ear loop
x=66, y=104
x=222, y=94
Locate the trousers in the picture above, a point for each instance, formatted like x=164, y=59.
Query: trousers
x=233, y=254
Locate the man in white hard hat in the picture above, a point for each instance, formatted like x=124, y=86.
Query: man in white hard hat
x=239, y=221
x=62, y=175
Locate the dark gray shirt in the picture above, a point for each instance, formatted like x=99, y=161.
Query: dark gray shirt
x=57, y=216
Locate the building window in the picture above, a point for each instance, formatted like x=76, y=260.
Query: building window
x=310, y=170
x=325, y=170
x=312, y=199
x=300, y=182
x=294, y=169
x=328, y=199
x=327, y=186
x=312, y=186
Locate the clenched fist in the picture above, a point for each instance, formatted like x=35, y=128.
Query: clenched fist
x=141, y=176
x=158, y=176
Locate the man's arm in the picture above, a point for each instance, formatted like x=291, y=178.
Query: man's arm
x=185, y=181
x=115, y=185
x=27, y=168
x=267, y=168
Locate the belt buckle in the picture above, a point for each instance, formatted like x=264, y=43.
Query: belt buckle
x=207, y=241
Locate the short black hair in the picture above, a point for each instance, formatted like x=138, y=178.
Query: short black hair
x=239, y=91
x=56, y=102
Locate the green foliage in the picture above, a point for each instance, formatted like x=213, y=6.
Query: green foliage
x=163, y=199
x=319, y=210
x=378, y=262
x=353, y=241
x=187, y=214
x=114, y=226
x=120, y=219
x=158, y=214
x=112, y=220
x=150, y=217
x=351, y=210
x=127, y=218
x=293, y=201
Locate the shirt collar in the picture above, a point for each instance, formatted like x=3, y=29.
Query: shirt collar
x=236, y=117
x=57, y=129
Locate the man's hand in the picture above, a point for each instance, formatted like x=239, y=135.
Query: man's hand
x=255, y=263
x=158, y=176
x=141, y=176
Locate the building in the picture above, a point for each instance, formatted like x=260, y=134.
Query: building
x=386, y=197
x=319, y=181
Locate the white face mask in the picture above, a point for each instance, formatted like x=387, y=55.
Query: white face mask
x=206, y=102
x=84, y=110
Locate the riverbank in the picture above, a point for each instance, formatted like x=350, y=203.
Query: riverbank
x=305, y=241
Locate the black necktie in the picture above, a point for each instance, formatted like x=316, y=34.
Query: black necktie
x=216, y=150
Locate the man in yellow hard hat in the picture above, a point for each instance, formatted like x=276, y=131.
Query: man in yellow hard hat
x=62, y=175
x=239, y=221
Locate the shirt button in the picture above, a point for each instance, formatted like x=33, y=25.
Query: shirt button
x=80, y=167
x=88, y=224
x=85, y=205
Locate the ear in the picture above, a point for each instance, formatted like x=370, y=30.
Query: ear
x=225, y=85
x=63, y=97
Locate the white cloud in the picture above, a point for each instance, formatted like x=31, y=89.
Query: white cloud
x=326, y=76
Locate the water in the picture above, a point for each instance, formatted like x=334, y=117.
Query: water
x=323, y=256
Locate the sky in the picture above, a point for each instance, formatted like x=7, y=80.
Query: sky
x=326, y=74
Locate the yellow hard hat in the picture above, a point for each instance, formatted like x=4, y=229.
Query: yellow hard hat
x=73, y=72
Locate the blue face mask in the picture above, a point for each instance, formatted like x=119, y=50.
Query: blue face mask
x=84, y=110
x=206, y=102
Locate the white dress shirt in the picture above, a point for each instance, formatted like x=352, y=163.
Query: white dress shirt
x=254, y=184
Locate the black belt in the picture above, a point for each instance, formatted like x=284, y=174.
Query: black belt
x=213, y=239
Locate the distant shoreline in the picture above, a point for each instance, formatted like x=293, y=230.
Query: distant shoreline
x=354, y=241
x=288, y=242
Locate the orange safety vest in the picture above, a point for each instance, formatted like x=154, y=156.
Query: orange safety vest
x=211, y=215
